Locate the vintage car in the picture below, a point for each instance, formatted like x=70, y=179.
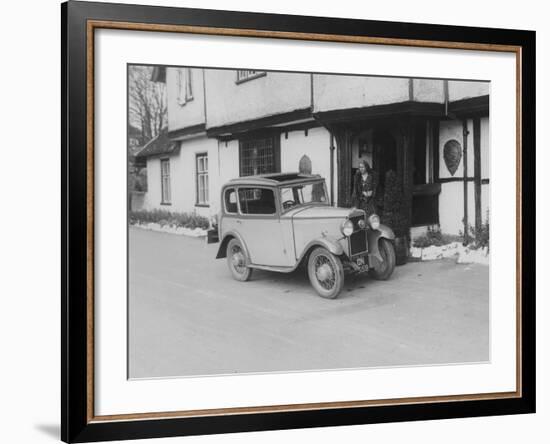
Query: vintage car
x=277, y=222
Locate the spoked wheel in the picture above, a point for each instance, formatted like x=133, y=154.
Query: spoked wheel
x=325, y=272
x=384, y=270
x=236, y=261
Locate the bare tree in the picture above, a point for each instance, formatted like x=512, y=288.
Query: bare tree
x=147, y=118
x=147, y=102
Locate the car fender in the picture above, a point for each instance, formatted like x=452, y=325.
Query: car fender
x=222, y=250
x=328, y=242
x=372, y=238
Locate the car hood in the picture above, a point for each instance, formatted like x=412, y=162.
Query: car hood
x=324, y=212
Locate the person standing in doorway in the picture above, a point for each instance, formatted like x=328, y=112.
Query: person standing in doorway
x=365, y=184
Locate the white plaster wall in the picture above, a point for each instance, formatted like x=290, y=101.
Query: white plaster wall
x=452, y=129
x=183, y=177
x=331, y=92
x=275, y=93
x=428, y=90
x=224, y=167
x=451, y=203
x=192, y=112
x=485, y=151
x=485, y=201
x=153, y=196
x=316, y=145
x=465, y=89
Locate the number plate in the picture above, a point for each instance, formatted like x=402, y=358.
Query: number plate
x=361, y=262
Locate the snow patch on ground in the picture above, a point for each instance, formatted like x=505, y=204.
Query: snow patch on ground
x=462, y=254
x=172, y=229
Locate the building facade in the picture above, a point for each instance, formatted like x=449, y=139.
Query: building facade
x=226, y=123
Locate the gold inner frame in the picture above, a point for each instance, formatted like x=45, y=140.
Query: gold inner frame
x=97, y=24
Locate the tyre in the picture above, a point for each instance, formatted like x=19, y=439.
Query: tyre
x=384, y=270
x=325, y=272
x=236, y=261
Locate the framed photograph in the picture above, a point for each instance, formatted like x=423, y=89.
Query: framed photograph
x=275, y=221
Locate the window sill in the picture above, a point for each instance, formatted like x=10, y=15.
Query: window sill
x=247, y=79
x=182, y=103
x=202, y=205
x=166, y=203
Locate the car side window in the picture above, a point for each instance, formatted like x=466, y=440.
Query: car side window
x=257, y=201
x=230, y=201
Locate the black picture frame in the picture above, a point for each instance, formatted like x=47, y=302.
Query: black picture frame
x=77, y=425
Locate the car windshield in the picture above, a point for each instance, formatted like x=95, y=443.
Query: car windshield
x=303, y=194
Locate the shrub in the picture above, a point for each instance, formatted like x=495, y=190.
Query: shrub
x=167, y=218
x=137, y=179
x=434, y=236
x=396, y=208
x=481, y=235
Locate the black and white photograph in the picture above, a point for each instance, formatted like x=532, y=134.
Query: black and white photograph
x=305, y=221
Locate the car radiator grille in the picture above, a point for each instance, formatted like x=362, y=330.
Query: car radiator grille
x=358, y=239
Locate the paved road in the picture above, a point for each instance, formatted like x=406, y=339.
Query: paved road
x=187, y=316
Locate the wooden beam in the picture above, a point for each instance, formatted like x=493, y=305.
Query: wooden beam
x=465, y=176
x=343, y=140
x=477, y=172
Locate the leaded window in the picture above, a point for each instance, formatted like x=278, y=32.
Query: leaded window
x=259, y=156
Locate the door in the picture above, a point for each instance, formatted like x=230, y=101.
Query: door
x=385, y=156
x=260, y=227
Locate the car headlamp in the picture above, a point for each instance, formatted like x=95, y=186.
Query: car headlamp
x=374, y=222
x=347, y=228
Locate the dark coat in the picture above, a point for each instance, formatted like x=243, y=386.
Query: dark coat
x=360, y=185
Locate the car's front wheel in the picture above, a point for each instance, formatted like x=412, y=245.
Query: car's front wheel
x=326, y=273
x=236, y=261
x=384, y=269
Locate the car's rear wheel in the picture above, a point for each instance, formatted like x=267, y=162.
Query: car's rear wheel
x=384, y=269
x=325, y=272
x=237, y=260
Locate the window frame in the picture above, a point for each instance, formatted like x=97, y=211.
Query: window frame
x=325, y=189
x=274, y=215
x=198, y=203
x=184, y=83
x=275, y=137
x=256, y=75
x=165, y=161
x=226, y=212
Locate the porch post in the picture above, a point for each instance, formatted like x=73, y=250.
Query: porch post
x=408, y=165
x=477, y=171
x=343, y=138
x=465, y=133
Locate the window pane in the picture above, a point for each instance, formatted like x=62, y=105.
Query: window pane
x=230, y=201
x=189, y=84
x=202, y=197
x=257, y=156
x=165, y=180
x=257, y=201
x=181, y=87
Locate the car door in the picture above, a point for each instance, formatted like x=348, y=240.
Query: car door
x=260, y=226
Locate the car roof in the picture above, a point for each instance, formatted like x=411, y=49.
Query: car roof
x=274, y=179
